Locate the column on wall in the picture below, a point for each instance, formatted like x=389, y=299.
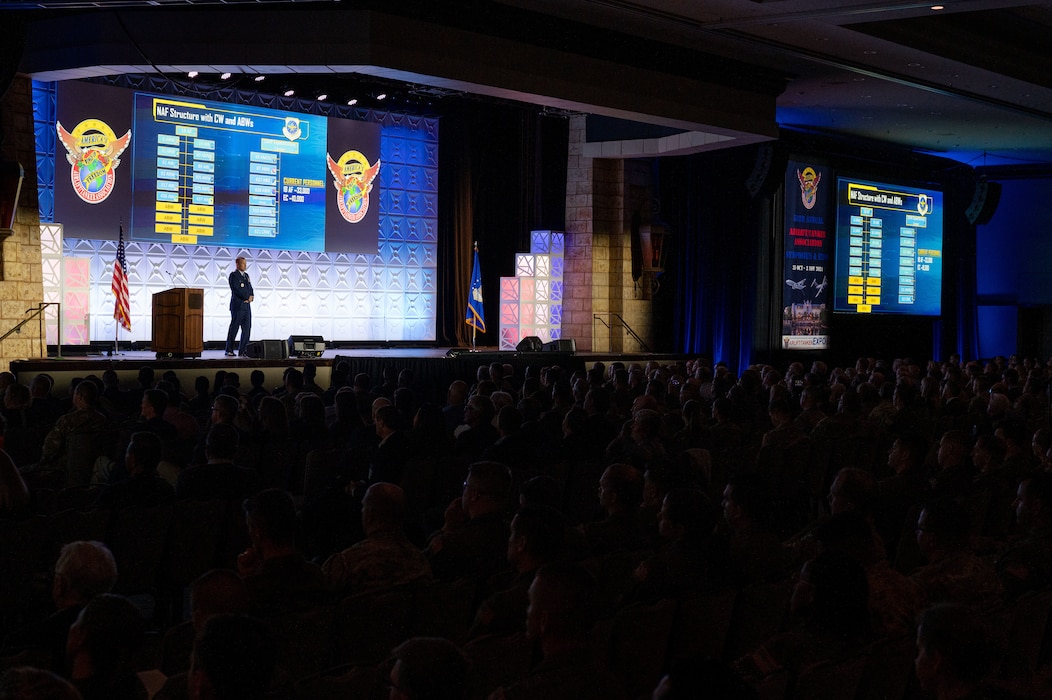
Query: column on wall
x=577, y=274
x=600, y=295
x=20, y=267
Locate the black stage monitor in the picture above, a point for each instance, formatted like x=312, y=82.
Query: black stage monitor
x=306, y=346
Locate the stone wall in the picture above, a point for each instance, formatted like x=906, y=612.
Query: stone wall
x=600, y=295
x=20, y=267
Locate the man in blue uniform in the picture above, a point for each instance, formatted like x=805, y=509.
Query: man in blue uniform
x=240, y=308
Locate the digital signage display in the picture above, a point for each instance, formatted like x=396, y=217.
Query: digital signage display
x=888, y=249
x=197, y=172
x=806, y=263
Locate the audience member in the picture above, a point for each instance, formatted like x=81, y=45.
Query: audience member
x=84, y=420
x=1026, y=564
x=28, y=683
x=558, y=621
x=694, y=558
x=620, y=495
x=101, y=649
x=386, y=557
x=953, y=573
x=892, y=600
x=694, y=677
x=831, y=618
x=84, y=570
x=756, y=554
x=473, y=539
x=233, y=659
x=14, y=494
x=536, y=539
x=142, y=487
x=219, y=477
x=428, y=668
x=277, y=577
x=955, y=652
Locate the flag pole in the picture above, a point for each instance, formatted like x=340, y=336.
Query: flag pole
x=476, y=314
x=117, y=326
x=474, y=327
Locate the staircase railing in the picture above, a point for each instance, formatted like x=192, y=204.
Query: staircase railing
x=37, y=312
x=624, y=325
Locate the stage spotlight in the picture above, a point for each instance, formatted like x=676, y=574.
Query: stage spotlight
x=192, y=74
x=260, y=78
x=290, y=93
x=225, y=76
x=352, y=102
x=322, y=97
x=381, y=96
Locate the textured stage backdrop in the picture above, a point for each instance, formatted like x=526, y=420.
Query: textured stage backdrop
x=389, y=296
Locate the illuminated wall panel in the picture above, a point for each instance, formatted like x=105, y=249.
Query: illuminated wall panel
x=531, y=302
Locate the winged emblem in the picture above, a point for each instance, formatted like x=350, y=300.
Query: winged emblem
x=353, y=178
x=93, y=152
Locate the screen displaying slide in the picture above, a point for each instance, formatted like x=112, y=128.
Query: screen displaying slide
x=251, y=173
x=197, y=172
x=888, y=249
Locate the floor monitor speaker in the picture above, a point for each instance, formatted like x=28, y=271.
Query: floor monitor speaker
x=267, y=350
x=306, y=346
x=530, y=343
x=561, y=345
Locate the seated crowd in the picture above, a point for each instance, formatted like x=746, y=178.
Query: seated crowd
x=665, y=530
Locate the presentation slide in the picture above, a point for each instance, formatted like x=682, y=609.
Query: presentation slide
x=888, y=249
x=197, y=172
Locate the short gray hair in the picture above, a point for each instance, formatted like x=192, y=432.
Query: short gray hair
x=88, y=566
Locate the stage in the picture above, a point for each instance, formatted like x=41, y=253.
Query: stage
x=434, y=367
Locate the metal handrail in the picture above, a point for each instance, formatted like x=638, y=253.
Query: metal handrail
x=624, y=324
x=38, y=313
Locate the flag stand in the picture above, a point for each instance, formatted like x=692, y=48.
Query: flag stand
x=116, y=336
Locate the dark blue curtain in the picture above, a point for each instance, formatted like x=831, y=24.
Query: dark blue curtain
x=714, y=258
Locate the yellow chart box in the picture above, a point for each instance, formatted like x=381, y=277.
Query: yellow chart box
x=183, y=238
x=199, y=230
x=201, y=220
x=167, y=218
x=169, y=206
x=201, y=209
x=865, y=309
x=168, y=229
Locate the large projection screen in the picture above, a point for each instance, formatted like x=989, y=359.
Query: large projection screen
x=337, y=217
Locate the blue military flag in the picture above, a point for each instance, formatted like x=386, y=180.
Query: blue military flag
x=476, y=315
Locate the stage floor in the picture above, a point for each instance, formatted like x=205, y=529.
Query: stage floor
x=435, y=365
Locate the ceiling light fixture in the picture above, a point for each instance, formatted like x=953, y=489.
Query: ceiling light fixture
x=225, y=76
x=352, y=102
x=259, y=78
x=192, y=74
x=290, y=93
x=382, y=96
x=322, y=97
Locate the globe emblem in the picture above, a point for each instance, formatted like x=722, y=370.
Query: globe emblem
x=352, y=198
x=92, y=174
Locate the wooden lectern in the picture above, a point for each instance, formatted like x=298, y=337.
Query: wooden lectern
x=178, y=322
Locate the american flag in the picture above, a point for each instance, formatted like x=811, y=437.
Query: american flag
x=121, y=310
